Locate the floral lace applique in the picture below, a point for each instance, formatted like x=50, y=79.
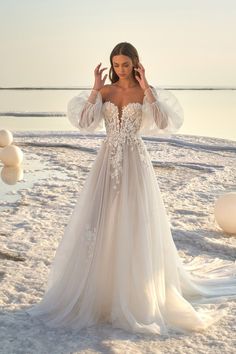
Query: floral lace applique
x=122, y=132
x=89, y=239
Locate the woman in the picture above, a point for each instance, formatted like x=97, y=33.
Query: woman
x=117, y=261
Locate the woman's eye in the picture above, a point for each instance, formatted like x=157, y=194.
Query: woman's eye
x=117, y=66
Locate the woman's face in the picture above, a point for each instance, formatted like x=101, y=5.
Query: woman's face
x=123, y=66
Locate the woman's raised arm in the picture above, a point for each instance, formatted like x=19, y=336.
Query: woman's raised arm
x=161, y=112
x=84, y=111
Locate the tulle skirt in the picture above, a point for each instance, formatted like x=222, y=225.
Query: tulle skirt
x=117, y=261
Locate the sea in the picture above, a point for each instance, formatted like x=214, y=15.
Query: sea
x=208, y=111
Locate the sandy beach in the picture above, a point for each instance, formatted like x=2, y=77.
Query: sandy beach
x=192, y=172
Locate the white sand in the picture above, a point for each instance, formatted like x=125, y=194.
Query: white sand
x=192, y=172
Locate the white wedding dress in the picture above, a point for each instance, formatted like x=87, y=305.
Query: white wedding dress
x=117, y=262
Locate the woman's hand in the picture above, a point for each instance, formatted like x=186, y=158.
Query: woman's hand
x=142, y=79
x=99, y=82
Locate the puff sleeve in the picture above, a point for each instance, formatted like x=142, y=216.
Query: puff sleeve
x=163, y=116
x=84, y=115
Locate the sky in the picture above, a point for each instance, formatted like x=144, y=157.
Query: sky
x=60, y=42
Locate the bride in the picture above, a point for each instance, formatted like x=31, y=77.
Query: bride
x=117, y=261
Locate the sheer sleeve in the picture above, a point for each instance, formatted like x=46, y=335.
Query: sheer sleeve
x=163, y=116
x=84, y=115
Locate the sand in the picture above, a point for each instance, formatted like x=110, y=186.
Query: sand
x=192, y=171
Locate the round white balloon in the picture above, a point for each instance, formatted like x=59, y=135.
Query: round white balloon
x=6, y=137
x=225, y=212
x=11, y=155
x=12, y=174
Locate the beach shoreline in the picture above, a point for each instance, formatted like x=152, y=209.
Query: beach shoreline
x=192, y=171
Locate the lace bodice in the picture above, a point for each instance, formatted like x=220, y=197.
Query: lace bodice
x=123, y=130
x=128, y=123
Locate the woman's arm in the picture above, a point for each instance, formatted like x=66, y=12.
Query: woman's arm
x=161, y=112
x=85, y=110
x=159, y=115
x=84, y=115
x=93, y=95
x=86, y=118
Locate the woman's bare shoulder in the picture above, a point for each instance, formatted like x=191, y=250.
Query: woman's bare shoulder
x=105, y=90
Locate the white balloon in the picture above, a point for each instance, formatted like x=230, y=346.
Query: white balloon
x=12, y=174
x=6, y=137
x=11, y=155
x=225, y=212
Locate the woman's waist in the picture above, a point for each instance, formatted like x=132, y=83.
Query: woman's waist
x=123, y=138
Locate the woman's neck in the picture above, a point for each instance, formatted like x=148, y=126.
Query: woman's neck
x=126, y=83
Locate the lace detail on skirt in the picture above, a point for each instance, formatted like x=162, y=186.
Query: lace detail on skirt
x=89, y=240
x=118, y=144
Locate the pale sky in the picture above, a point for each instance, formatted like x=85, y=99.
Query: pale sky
x=59, y=42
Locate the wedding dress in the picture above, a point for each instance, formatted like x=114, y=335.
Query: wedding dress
x=117, y=261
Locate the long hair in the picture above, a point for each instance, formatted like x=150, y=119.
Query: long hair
x=123, y=48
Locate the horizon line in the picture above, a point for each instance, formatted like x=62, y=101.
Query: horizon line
x=167, y=87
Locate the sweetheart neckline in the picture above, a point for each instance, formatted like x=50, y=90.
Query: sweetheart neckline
x=126, y=105
x=122, y=108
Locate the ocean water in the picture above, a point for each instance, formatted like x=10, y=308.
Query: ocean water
x=208, y=112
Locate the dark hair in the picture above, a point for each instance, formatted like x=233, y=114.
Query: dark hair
x=123, y=48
